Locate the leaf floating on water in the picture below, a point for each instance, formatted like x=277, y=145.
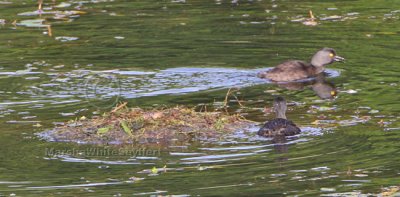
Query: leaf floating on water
x=322, y=168
x=28, y=117
x=34, y=13
x=278, y=175
x=331, y=9
x=41, y=12
x=361, y=175
x=325, y=189
x=67, y=114
x=302, y=19
x=37, y=125
x=63, y=5
x=352, y=13
x=315, y=122
x=66, y=38
x=32, y=23
x=22, y=121
x=154, y=170
x=374, y=111
x=136, y=178
x=201, y=168
x=103, y=130
x=334, y=17
x=351, y=91
x=323, y=108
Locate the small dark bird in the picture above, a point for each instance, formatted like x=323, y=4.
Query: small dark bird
x=280, y=125
x=295, y=69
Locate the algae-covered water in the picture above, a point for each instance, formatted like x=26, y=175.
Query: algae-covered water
x=164, y=53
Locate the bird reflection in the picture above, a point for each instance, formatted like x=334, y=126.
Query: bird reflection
x=322, y=88
x=280, y=147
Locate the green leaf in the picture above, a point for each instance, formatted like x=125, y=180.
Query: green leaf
x=154, y=170
x=103, y=130
x=125, y=127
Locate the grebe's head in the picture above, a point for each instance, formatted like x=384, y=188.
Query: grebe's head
x=280, y=107
x=325, y=56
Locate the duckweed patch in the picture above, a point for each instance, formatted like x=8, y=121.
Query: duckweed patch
x=125, y=125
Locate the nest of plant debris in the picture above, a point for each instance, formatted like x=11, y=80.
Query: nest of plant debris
x=135, y=125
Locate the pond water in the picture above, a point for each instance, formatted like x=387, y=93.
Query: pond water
x=154, y=53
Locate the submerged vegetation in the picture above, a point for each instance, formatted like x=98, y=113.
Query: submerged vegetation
x=128, y=125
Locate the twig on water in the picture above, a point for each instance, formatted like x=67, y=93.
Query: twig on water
x=119, y=107
x=50, y=33
x=240, y=103
x=311, y=15
x=226, y=97
x=40, y=2
x=230, y=91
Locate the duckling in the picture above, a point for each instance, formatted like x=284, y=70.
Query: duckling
x=296, y=70
x=280, y=125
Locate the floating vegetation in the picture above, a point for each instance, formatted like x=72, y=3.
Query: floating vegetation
x=66, y=38
x=135, y=125
x=32, y=23
x=63, y=5
x=331, y=18
x=390, y=191
x=56, y=14
x=311, y=21
x=48, y=13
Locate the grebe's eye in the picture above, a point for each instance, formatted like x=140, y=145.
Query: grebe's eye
x=333, y=93
x=331, y=55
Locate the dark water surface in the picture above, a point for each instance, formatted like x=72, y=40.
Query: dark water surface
x=191, y=52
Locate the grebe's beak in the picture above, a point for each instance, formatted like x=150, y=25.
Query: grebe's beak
x=338, y=59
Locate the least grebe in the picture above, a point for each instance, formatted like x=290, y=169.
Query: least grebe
x=280, y=125
x=295, y=69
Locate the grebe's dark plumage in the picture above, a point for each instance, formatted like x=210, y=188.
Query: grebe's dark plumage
x=296, y=70
x=280, y=125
